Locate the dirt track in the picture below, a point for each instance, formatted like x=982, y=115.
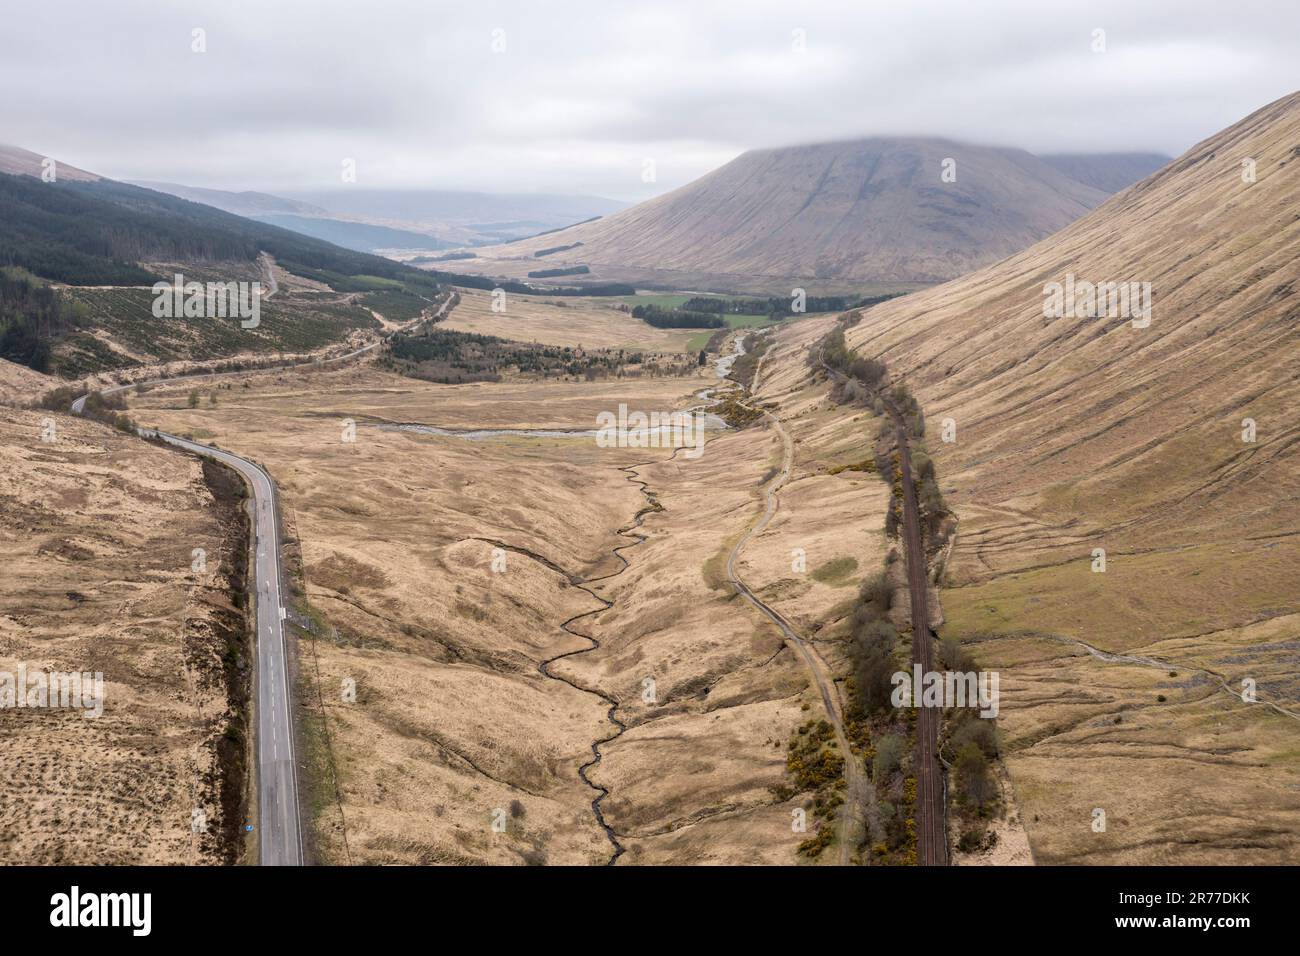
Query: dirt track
x=854, y=815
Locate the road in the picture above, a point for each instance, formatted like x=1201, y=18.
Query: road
x=280, y=836
x=854, y=817
x=267, y=264
x=79, y=405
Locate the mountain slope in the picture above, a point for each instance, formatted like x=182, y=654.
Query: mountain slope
x=369, y=220
x=439, y=207
x=358, y=236
x=249, y=204
x=90, y=233
x=1109, y=172
x=109, y=242
x=869, y=210
x=16, y=161
x=303, y=218
x=1075, y=434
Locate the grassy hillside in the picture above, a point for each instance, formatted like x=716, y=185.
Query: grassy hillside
x=871, y=211
x=108, y=242
x=1077, y=433
x=116, y=334
x=97, y=233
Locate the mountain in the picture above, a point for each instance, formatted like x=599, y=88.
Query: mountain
x=872, y=210
x=99, y=232
x=1172, y=446
x=474, y=216
x=415, y=205
x=248, y=204
x=16, y=161
x=108, y=242
x=305, y=218
x=408, y=220
x=359, y=236
x=1109, y=172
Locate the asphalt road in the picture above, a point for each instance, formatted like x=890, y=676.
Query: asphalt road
x=280, y=836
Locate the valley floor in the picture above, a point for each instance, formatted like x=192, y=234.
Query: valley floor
x=471, y=609
x=454, y=726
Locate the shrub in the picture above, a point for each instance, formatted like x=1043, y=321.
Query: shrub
x=889, y=756
x=872, y=655
x=875, y=593
x=953, y=656
x=975, y=784
x=978, y=731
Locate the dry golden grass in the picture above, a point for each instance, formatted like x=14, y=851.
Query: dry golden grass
x=19, y=384
x=1075, y=434
x=96, y=535
x=453, y=718
x=572, y=320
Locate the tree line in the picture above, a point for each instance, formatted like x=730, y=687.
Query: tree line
x=776, y=307
x=662, y=318
x=32, y=316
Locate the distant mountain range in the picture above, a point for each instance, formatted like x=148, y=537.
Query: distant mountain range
x=1109, y=172
x=249, y=204
x=374, y=220
x=103, y=232
x=867, y=211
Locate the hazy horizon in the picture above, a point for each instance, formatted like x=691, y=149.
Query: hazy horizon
x=512, y=98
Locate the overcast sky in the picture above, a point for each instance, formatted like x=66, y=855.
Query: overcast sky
x=584, y=92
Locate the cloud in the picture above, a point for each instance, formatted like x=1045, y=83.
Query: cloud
x=583, y=92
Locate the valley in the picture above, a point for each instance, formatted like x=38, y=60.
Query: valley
x=546, y=529
x=442, y=772
x=1123, y=554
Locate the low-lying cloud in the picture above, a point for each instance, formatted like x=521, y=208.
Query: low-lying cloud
x=574, y=96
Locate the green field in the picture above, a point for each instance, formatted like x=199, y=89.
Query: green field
x=676, y=300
